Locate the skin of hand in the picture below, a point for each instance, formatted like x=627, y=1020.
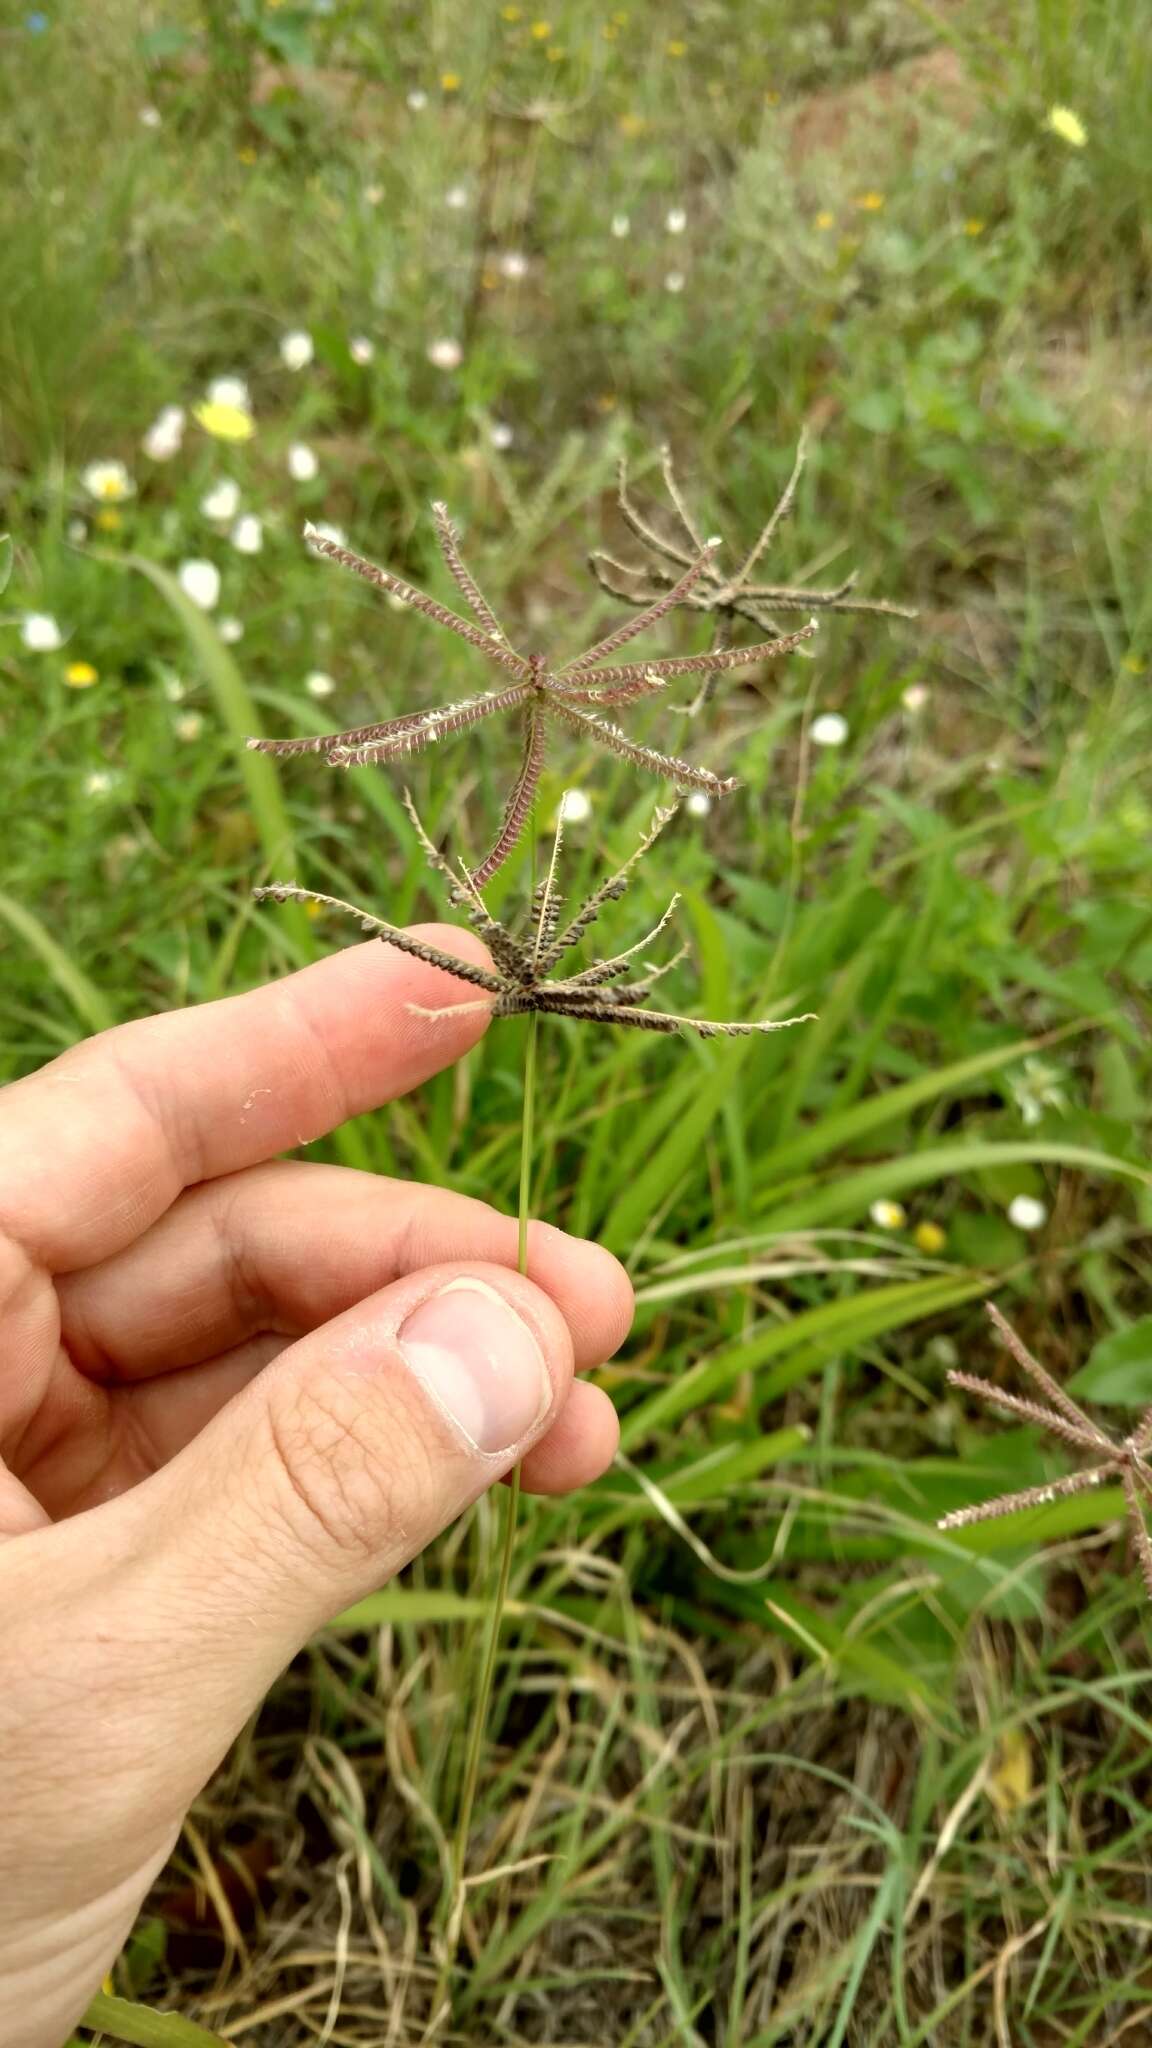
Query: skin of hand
x=237, y=1393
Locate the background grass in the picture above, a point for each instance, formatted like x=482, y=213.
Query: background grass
x=818, y=1775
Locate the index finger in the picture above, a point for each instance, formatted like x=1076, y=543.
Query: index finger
x=97, y=1145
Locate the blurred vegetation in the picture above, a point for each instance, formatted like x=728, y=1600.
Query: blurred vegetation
x=862, y=1783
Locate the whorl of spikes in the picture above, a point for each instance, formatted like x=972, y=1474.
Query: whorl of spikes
x=520, y=979
x=729, y=597
x=571, y=695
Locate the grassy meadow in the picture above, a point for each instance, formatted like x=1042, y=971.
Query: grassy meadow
x=772, y=1760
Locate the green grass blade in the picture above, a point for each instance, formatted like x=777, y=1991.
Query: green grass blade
x=234, y=702
x=142, y=2026
x=412, y=1604
x=839, y=1132
x=686, y=1111
x=853, y=1194
x=90, y=1005
x=801, y=1345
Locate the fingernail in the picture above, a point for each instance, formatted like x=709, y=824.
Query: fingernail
x=479, y=1361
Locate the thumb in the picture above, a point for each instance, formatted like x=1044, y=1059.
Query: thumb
x=344, y=1458
x=145, y=1631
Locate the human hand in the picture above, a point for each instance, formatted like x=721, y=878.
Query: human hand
x=236, y=1394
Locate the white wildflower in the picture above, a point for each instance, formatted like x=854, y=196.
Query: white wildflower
x=514, y=265
x=1035, y=1088
x=676, y=220
x=77, y=531
x=302, y=463
x=318, y=684
x=915, y=697
x=417, y=100
x=575, y=806
x=674, y=281
x=296, y=349
x=247, y=536
x=98, y=783
x=698, y=804
x=149, y=117
x=1027, y=1213
x=230, y=631
x=621, y=226
x=500, y=434
x=108, y=481
x=40, y=633
x=173, y=688
x=456, y=198
x=222, y=502
x=361, y=349
x=201, y=582
x=230, y=391
x=888, y=1215
x=829, y=730
x=445, y=354
x=165, y=436
x=188, y=726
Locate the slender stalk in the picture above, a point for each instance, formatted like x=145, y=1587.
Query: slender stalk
x=479, y=1724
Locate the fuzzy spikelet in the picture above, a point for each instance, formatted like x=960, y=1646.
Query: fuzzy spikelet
x=682, y=773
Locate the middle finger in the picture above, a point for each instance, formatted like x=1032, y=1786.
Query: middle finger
x=286, y=1246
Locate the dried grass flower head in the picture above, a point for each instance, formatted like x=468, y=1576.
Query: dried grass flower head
x=572, y=695
x=729, y=597
x=1127, y=1461
x=523, y=978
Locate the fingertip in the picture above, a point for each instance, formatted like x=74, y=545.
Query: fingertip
x=578, y=1448
x=598, y=1292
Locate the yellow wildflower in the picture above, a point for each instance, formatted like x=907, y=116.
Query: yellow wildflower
x=632, y=124
x=108, y=519
x=541, y=30
x=870, y=202
x=676, y=48
x=824, y=220
x=450, y=81
x=556, y=55
x=247, y=155
x=1068, y=126
x=224, y=422
x=974, y=227
x=80, y=675
x=1133, y=664
x=511, y=13
x=313, y=910
x=929, y=1238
